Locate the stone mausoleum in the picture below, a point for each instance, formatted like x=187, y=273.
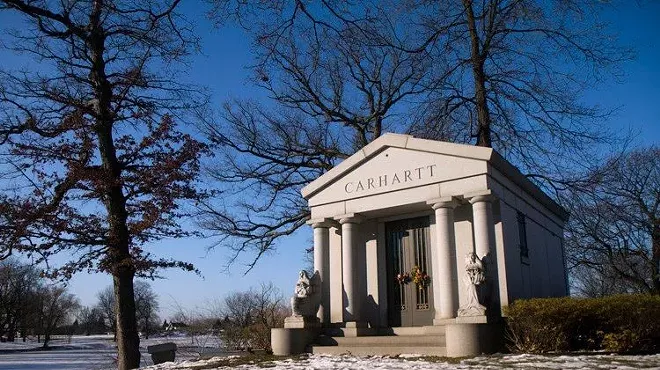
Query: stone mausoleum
x=418, y=246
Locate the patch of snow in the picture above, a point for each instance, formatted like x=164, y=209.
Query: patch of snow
x=94, y=352
x=412, y=362
x=99, y=353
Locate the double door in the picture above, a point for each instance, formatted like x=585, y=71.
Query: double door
x=410, y=298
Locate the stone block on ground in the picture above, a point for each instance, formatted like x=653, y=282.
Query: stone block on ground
x=163, y=352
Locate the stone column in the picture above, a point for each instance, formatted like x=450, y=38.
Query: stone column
x=484, y=247
x=352, y=269
x=322, y=264
x=484, y=229
x=444, y=258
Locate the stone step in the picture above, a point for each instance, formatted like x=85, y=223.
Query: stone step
x=416, y=330
x=380, y=340
x=392, y=350
x=410, y=330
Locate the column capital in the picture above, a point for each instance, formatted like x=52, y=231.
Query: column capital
x=350, y=218
x=321, y=222
x=481, y=196
x=444, y=202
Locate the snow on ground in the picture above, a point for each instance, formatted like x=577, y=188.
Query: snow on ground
x=60, y=359
x=94, y=352
x=413, y=363
x=99, y=353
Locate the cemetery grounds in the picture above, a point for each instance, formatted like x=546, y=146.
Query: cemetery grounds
x=98, y=352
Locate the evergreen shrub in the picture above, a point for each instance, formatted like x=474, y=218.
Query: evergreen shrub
x=620, y=323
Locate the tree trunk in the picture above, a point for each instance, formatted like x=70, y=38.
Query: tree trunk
x=146, y=326
x=11, y=333
x=655, y=256
x=128, y=342
x=47, y=332
x=477, y=61
x=119, y=240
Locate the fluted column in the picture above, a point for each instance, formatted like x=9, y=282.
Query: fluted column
x=444, y=258
x=352, y=268
x=322, y=264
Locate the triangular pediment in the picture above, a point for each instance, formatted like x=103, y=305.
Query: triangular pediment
x=394, y=162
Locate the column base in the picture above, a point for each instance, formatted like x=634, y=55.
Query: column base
x=355, y=324
x=356, y=329
x=446, y=321
x=436, y=329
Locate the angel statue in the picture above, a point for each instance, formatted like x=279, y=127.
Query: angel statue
x=474, y=276
x=307, y=295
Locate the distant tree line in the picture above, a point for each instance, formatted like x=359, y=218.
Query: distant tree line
x=32, y=306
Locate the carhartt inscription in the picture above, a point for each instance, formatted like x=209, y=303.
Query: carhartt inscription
x=405, y=176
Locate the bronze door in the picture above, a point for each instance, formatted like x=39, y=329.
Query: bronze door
x=410, y=297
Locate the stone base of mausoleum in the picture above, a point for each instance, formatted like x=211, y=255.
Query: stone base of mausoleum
x=425, y=341
x=458, y=338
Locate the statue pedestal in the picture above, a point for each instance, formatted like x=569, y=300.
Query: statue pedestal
x=298, y=333
x=287, y=341
x=471, y=311
x=303, y=327
x=467, y=339
x=302, y=322
x=481, y=319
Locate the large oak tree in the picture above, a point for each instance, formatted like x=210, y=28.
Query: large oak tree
x=507, y=74
x=94, y=163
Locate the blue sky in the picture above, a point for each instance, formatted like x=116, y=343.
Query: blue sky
x=638, y=94
x=222, y=68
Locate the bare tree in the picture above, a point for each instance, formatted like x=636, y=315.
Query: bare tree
x=106, y=303
x=500, y=73
x=19, y=284
x=270, y=311
x=335, y=90
x=146, y=306
x=56, y=306
x=91, y=320
x=198, y=324
x=250, y=315
x=613, y=239
x=520, y=67
x=93, y=161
